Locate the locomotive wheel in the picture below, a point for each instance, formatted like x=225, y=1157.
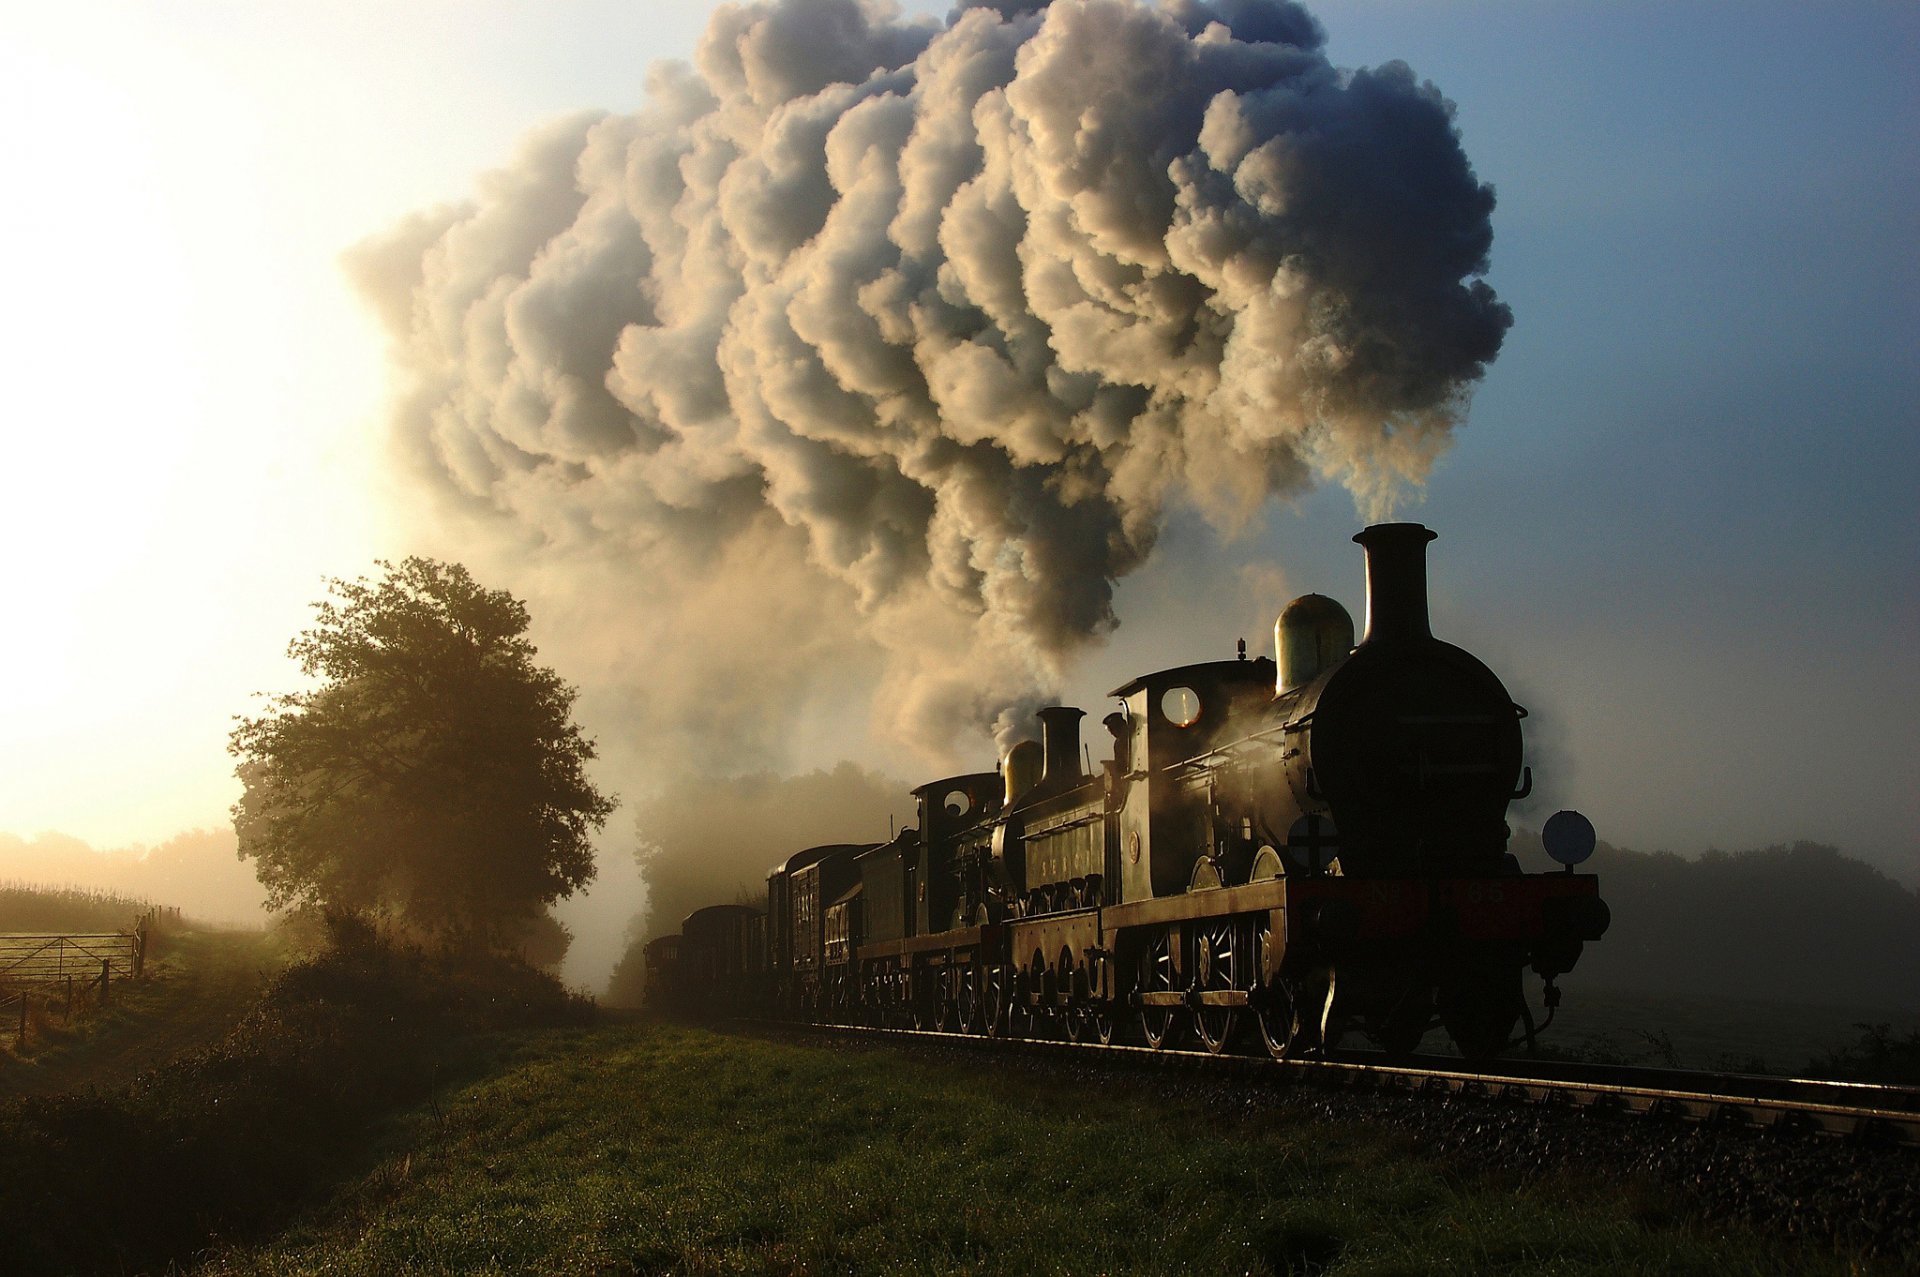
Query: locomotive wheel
x=994, y=1013
x=1220, y=963
x=1079, y=1024
x=1024, y=1021
x=1046, y=1022
x=967, y=1000
x=1159, y=1025
x=927, y=1010
x=1275, y=1019
x=1480, y=1009
x=1098, y=988
x=1090, y=1023
x=1076, y=1019
x=1274, y=1013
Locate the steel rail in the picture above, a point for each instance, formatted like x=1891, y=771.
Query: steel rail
x=1857, y=1110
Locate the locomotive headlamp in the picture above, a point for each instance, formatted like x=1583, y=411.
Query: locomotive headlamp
x=1568, y=837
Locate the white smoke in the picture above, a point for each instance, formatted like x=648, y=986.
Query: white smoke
x=909, y=334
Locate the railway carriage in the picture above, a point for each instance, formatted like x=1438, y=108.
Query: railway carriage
x=722, y=953
x=662, y=987
x=809, y=916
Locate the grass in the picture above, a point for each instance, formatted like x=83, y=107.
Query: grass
x=658, y=1149
x=382, y=1110
x=227, y=1138
x=198, y=984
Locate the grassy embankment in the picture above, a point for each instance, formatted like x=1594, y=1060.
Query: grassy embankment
x=652, y=1149
x=399, y=1111
x=227, y=1139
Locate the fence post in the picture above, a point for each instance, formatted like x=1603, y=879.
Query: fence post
x=140, y=950
x=106, y=967
x=67, y=1014
x=20, y=1038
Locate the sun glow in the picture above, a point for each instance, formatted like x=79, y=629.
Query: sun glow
x=160, y=460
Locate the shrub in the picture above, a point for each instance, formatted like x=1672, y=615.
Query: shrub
x=1879, y=1056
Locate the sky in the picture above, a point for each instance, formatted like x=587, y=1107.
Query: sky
x=1679, y=519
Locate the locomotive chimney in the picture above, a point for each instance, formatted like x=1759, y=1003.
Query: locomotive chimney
x=1396, y=581
x=1060, y=739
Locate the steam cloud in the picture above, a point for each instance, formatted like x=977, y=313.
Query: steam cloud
x=910, y=333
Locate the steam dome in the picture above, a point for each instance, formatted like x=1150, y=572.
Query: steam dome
x=1022, y=768
x=1312, y=635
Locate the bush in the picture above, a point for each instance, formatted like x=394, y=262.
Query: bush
x=1878, y=1056
x=225, y=1141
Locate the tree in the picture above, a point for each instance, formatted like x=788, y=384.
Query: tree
x=434, y=774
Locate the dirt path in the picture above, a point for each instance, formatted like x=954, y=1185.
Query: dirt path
x=197, y=988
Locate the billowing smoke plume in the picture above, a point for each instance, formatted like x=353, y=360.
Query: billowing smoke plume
x=872, y=337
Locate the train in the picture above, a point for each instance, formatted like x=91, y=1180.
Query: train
x=1284, y=855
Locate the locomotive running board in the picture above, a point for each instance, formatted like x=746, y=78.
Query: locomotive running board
x=1208, y=902
x=938, y=943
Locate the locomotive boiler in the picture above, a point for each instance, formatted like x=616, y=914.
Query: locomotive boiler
x=1278, y=853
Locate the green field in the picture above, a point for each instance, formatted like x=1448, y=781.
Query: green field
x=656, y=1149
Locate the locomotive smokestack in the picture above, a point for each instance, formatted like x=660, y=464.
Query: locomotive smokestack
x=1396, y=581
x=1060, y=739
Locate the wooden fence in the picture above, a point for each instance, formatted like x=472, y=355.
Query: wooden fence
x=50, y=969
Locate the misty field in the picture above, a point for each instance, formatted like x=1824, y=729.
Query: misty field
x=1703, y=1032
x=656, y=1149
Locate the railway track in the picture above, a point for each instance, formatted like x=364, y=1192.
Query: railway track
x=1862, y=1111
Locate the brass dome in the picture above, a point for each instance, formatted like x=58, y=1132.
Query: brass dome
x=1022, y=768
x=1313, y=635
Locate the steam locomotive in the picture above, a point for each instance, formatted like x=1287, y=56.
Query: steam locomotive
x=1278, y=854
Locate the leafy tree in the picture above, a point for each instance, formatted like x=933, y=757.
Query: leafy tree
x=433, y=774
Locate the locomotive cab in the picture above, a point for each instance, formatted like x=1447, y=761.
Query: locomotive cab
x=948, y=889
x=1180, y=812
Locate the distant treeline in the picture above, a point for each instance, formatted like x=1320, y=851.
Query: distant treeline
x=32, y=908
x=1798, y=922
